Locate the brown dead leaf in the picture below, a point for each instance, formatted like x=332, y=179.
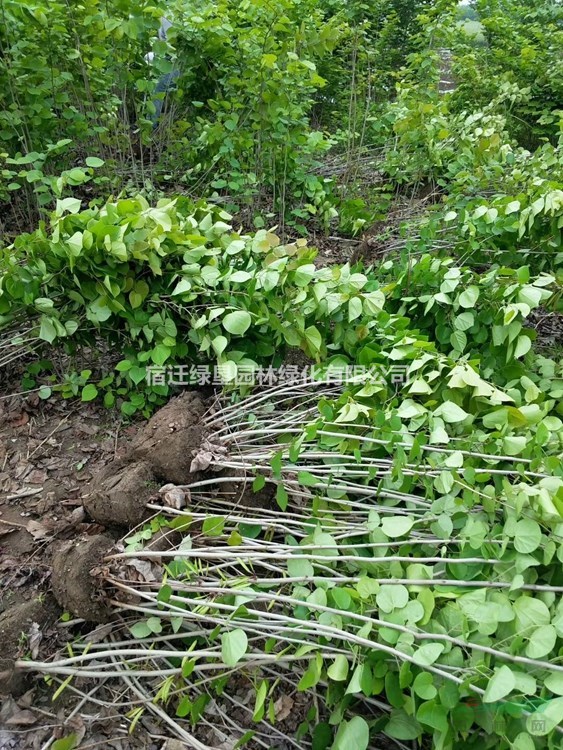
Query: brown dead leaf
x=282, y=707
x=27, y=699
x=174, y=745
x=99, y=633
x=202, y=461
x=34, y=638
x=37, y=476
x=18, y=420
x=203, y=458
x=38, y=530
x=173, y=496
x=143, y=570
x=12, y=715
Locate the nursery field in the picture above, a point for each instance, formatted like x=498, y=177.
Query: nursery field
x=281, y=375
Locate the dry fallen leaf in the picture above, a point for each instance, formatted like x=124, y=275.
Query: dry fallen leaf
x=38, y=531
x=283, y=707
x=12, y=715
x=143, y=570
x=202, y=461
x=205, y=455
x=34, y=638
x=175, y=498
x=174, y=745
x=18, y=420
x=99, y=633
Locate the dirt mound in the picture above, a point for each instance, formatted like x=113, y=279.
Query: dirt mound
x=170, y=437
x=120, y=492
x=15, y=624
x=73, y=584
x=161, y=452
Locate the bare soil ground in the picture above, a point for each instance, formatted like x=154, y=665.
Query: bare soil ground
x=49, y=451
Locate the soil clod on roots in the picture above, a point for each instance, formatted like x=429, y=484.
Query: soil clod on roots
x=162, y=451
x=15, y=623
x=73, y=583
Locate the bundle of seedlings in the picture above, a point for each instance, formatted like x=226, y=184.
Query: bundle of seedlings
x=405, y=587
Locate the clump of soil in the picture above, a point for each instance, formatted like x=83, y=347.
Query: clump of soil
x=73, y=583
x=161, y=452
x=170, y=438
x=15, y=624
x=120, y=492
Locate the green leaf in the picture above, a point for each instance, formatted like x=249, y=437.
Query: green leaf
x=542, y=642
x=312, y=674
x=213, y=526
x=65, y=743
x=367, y=587
x=93, y=161
x=219, y=344
x=360, y=676
x=530, y=613
x=237, y=322
x=72, y=205
x=140, y=630
x=282, y=497
x=154, y=625
x=554, y=682
x=352, y=734
x=258, y=483
x=527, y=535
x=423, y=686
x=451, y=413
x=44, y=304
x=313, y=339
x=469, y=296
x=160, y=354
x=402, y=726
x=354, y=309
x=464, y=321
x=304, y=274
x=500, y=685
x=233, y=646
x=433, y=715
x=299, y=568
x=427, y=654
x=47, y=331
x=306, y=479
x=512, y=207
x=183, y=286
x=392, y=596
x=89, y=392
x=137, y=374
x=338, y=670
x=523, y=346
x=458, y=340
x=240, y=277
x=394, y=526
x=513, y=445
